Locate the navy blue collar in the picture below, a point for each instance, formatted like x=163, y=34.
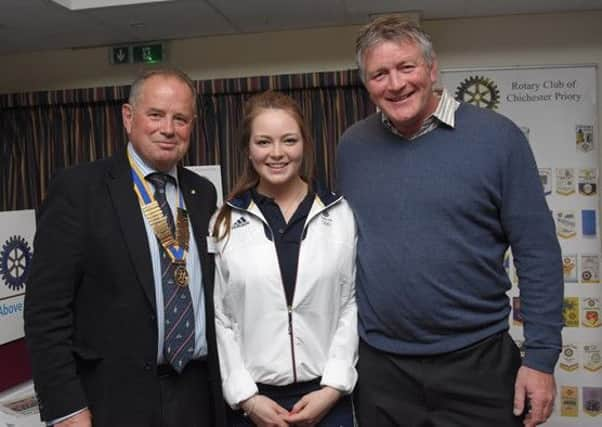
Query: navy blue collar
x=326, y=197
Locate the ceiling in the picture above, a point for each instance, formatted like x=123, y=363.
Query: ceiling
x=34, y=25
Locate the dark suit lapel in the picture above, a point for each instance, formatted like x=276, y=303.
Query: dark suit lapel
x=127, y=210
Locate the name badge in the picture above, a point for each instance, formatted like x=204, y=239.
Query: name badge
x=211, y=245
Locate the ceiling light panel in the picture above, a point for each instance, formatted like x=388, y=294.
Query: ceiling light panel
x=96, y=4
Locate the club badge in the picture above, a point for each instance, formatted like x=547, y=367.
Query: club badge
x=480, y=91
x=569, y=268
x=588, y=222
x=588, y=182
x=15, y=262
x=590, y=269
x=517, y=318
x=584, y=138
x=592, y=357
x=592, y=399
x=565, y=181
x=545, y=175
x=566, y=224
x=590, y=317
x=569, y=358
x=569, y=401
x=570, y=312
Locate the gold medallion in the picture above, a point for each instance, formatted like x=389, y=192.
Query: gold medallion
x=159, y=217
x=181, y=276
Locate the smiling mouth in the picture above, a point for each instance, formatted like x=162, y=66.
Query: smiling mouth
x=400, y=98
x=277, y=165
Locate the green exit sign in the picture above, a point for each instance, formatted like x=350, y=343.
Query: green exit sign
x=148, y=53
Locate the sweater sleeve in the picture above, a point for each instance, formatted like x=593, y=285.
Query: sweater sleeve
x=530, y=229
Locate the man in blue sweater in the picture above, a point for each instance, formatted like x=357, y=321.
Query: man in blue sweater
x=440, y=190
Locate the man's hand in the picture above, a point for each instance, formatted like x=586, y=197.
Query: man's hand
x=264, y=412
x=539, y=389
x=312, y=407
x=82, y=419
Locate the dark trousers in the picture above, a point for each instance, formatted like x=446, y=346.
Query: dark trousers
x=185, y=398
x=341, y=415
x=473, y=386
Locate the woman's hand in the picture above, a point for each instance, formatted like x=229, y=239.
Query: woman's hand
x=312, y=407
x=264, y=412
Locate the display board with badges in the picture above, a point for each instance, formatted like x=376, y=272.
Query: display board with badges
x=555, y=107
x=16, y=250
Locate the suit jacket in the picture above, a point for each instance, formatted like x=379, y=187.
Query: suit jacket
x=90, y=312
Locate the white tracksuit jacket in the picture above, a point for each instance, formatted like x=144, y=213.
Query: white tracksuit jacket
x=262, y=340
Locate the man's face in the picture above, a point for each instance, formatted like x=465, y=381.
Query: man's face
x=160, y=121
x=400, y=83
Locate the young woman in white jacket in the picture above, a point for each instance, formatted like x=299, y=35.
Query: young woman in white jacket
x=286, y=317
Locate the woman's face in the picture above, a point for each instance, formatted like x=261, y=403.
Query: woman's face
x=276, y=148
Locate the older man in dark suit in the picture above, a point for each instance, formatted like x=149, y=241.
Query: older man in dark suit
x=118, y=310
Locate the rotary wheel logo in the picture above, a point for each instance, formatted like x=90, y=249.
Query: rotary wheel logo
x=14, y=262
x=479, y=91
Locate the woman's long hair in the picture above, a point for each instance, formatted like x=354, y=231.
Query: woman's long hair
x=249, y=177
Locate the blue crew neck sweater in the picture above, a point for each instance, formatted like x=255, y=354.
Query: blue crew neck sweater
x=435, y=216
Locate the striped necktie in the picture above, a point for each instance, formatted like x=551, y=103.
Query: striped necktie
x=178, y=346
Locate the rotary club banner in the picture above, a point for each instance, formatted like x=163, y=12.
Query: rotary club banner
x=592, y=357
x=569, y=268
x=591, y=312
x=592, y=397
x=545, y=174
x=566, y=224
x=569, y=358
x=588, y=182
x=590, y=268
x=570, y=312
x=565, y=181
x=569, y=401
x=17, y=229
x=555, y=108
x=584, y=138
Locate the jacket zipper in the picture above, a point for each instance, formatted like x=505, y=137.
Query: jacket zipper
x=292, y=339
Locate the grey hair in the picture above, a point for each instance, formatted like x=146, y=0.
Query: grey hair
x=395, y=28
x=137, y=85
